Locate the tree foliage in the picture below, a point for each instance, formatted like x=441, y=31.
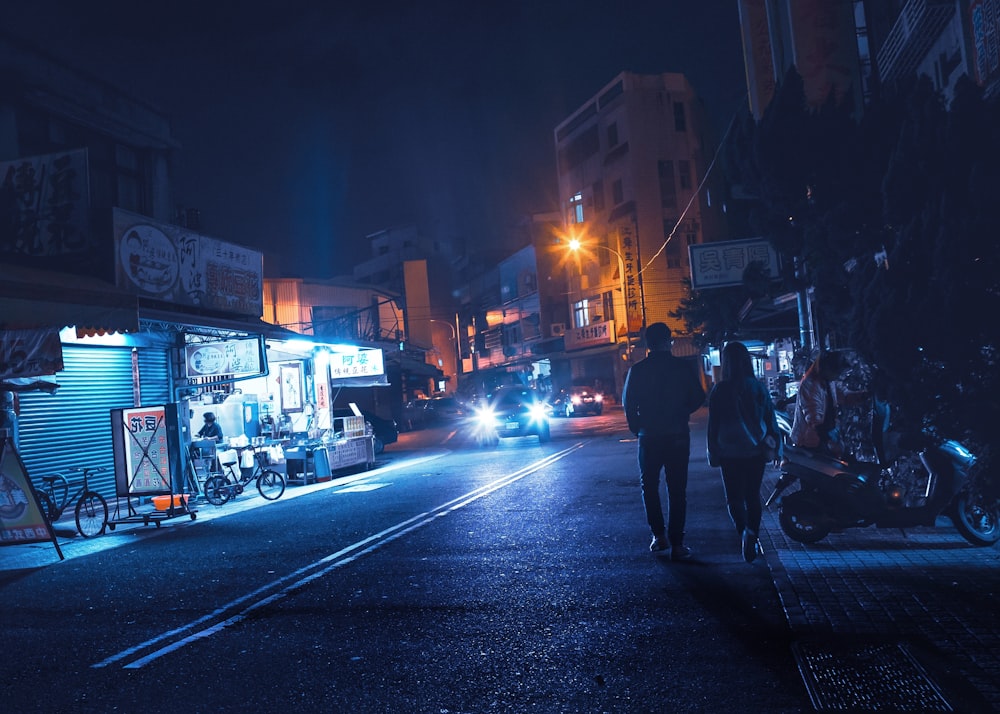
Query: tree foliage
x=892, y=217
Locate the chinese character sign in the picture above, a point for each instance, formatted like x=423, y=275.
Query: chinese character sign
x=721, y=264
x=629, y=251
x=171, y=263
x=597, y=333
x=365, y=363
x=147, y=460
x=235, y=357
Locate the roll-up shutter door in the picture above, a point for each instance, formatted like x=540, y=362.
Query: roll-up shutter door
x=73, y=426
x=154, y=377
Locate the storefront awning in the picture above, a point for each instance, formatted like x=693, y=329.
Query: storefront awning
x=89, y=319
x=212, y=325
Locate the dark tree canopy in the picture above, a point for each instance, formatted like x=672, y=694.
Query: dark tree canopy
x=893, y=220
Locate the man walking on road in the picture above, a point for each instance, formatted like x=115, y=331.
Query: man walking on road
x=661, y=392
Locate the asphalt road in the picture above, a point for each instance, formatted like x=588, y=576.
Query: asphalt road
x=511, y=580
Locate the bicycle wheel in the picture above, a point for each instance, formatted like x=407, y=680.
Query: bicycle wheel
x=271, y=485
x=45, y=503
x=217, y=490
x=91, y=514
x=58, y=489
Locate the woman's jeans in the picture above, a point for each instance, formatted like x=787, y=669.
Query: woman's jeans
x=742, y=479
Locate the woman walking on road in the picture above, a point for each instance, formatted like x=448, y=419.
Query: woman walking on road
x=742, y=438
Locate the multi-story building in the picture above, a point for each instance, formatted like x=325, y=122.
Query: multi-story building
x=632, y=167
x=850, y=47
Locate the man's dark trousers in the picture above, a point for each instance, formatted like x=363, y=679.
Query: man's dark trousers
x=669, y=453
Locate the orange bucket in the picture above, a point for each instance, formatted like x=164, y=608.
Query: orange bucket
x=162, y=503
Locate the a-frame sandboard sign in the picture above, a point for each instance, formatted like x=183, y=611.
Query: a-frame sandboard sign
x=21, y=519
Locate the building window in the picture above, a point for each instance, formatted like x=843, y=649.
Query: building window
x=576, y=209
x=598, y=189
x=617, y=192
x=608, y=300
x=668, y=187
x=684, y=173
x=612, y=135
x=581, y=313
x=680, y=122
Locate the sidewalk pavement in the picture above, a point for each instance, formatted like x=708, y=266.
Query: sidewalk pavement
x=869, y=598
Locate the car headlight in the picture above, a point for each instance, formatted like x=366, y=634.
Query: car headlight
x=575, y=399
x=598, y=397
x=486, y=418
x=538, y=412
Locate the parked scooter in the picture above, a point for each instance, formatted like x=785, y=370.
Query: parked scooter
x=900, y=489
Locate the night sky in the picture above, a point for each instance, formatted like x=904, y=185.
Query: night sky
x=309, y=124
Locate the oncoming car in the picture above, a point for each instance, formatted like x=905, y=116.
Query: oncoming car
x=578, y=401
x=512, y=411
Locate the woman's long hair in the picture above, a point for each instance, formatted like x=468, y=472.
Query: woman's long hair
x=736, y=362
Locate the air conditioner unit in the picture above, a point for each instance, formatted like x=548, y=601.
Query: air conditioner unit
x=557, y=329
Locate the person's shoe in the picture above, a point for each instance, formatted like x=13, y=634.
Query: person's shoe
x=657, y=544
x=680, y=552
x=750, y=546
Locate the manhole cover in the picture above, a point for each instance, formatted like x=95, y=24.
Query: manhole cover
x=860, y=677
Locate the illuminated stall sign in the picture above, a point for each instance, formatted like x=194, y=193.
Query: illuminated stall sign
x=232, y=357
x=365, y=363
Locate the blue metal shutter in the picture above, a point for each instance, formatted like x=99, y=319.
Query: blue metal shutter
x=154, y=377
x=73, y=426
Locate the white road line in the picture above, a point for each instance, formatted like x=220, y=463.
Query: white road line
x=300, y=578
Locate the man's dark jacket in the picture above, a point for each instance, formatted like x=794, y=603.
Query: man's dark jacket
x=660, y=394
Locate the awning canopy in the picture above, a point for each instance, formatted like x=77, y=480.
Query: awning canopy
x=31, y=298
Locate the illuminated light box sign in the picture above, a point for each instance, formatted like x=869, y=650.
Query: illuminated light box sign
x=365, y=363
x=232, y=357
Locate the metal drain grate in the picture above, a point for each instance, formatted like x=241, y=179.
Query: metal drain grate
x=860, y=677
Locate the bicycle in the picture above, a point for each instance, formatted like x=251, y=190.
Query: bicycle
x=221, y=487
x=91, y=508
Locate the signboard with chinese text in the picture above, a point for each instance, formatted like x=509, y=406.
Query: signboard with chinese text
x=232, y=357
x=173, y=264
x=46, y=206
x=365, y=363
x=147, y=450
x=629, y=250
x=21, y=518
x=597, y=333
x=984, y=26
x=721, y=264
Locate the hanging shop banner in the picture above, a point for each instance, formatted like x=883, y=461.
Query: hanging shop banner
x=239, y=358
x=721, y=264
x=46, y=201
x=21, y=519
x=365, y=363
x=173, y=264
x=29, y=353
x=146, y=444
